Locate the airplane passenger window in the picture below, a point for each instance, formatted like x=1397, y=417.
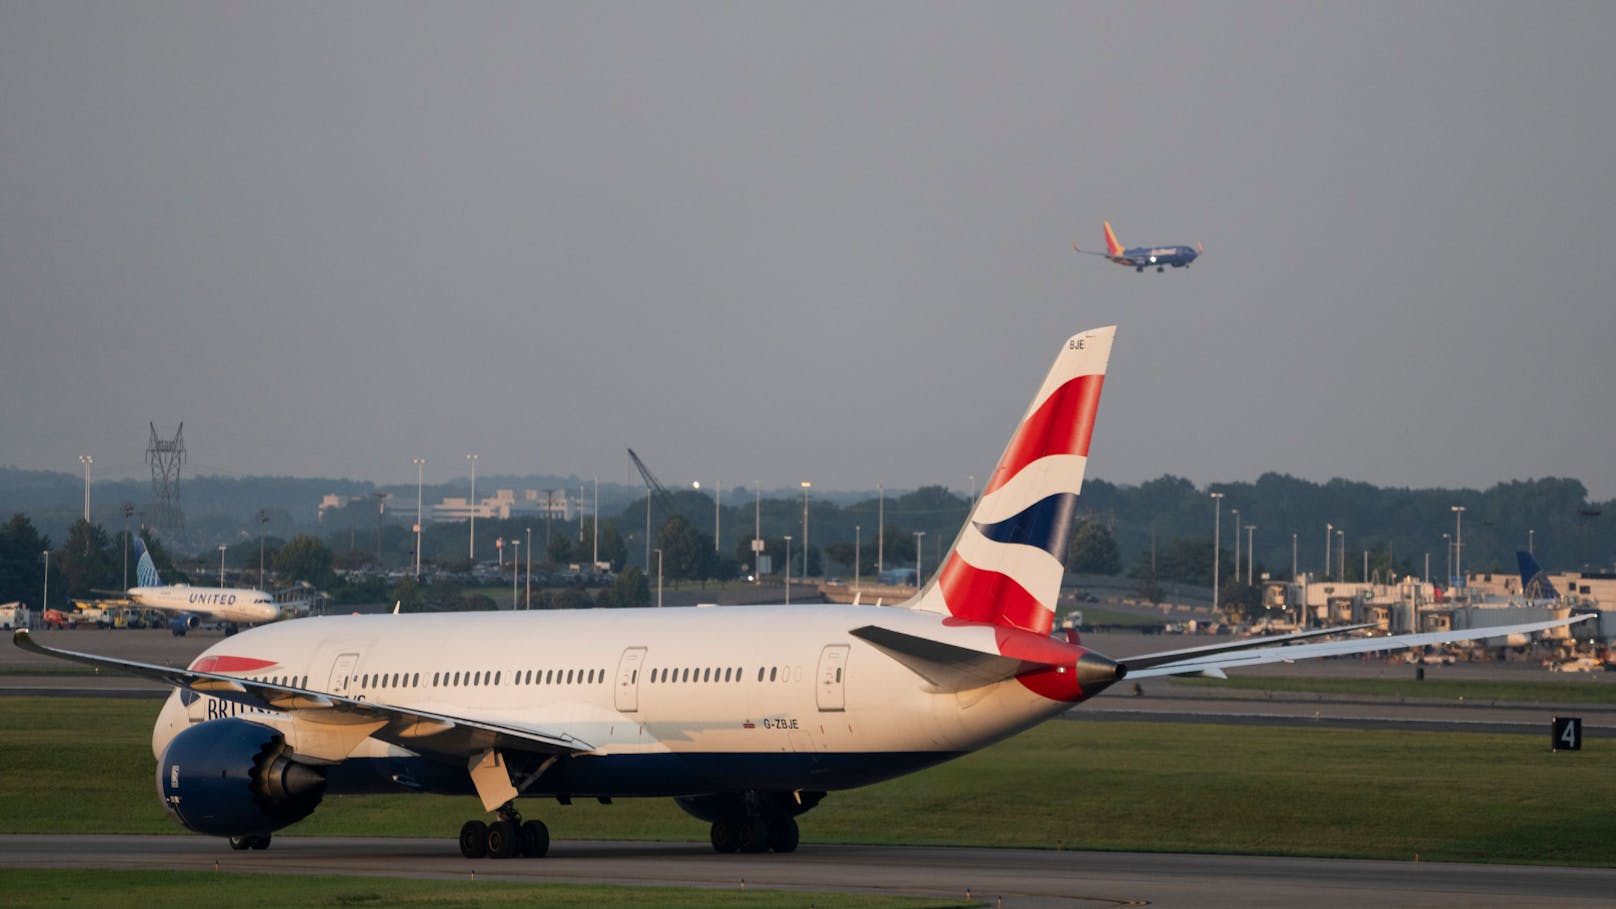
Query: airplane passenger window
x=569, y=676
x=456, y=682
x=707, y=674
x=549, y=676
x=434, y=679
x=838, y=675
x=772, y=671
x=496, y=677
x=416, y=683
x=760, y=673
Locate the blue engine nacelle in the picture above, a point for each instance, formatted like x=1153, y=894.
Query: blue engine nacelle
x=232, y=777
x=182, y=623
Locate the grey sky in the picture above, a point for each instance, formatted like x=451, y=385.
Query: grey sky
x=820, y=241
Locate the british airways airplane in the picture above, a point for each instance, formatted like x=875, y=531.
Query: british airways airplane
x=188, y=606
x=1140, y=258
x=747, y=716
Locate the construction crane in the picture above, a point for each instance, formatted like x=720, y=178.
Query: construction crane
x=654, y=489
x=654, y=486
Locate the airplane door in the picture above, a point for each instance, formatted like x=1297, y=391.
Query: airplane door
x=628, y=680
x=342, y=673
x=829, y=688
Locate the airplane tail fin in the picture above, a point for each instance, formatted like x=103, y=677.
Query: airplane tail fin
x=1112, y=247
x=146, y=569
x=1005, y=567
x=1535, y=581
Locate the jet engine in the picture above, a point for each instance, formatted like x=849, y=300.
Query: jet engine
x=231, y=777
x=183, y=623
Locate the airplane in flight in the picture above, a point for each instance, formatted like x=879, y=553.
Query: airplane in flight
x=189, y=606
x=746, y=716
x=1140, y=258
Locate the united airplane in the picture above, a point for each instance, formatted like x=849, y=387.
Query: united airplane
x=747, y=716
x=188, y=606
x=1140, y=258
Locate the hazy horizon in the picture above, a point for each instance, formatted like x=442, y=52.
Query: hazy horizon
x=828, y=242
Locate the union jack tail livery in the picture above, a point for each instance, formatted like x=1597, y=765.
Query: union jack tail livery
x=1005, y=567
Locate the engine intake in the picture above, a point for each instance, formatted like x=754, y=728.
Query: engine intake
x=233, y=777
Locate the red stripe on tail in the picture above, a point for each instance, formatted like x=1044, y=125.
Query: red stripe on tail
x=975, y=595
x=1063, y=424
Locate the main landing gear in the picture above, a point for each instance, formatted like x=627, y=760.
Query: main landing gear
x=507, y=837
x=754, y=833
x=240, y=843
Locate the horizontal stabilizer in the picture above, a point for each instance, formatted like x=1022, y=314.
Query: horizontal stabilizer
x=1212, y=661
x=947, y=667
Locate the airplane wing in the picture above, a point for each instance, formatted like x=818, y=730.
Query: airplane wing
x=1088, y=252
x=1211, y=661
x=404, y=726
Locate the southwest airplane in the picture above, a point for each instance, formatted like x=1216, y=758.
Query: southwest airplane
x=235, y=606
x=747, y=716
x=1141, y=257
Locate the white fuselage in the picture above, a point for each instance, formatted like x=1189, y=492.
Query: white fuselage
x=236, y=605
x=667, y=701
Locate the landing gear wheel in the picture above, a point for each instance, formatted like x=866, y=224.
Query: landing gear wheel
x=726, y=835
x=260, y=842
x=754, y=835
x=241, y=843
x=502, y=840
x=783, y=835
x=474, y=839
x=534, y=839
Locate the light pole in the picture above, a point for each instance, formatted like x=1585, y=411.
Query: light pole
x=549, y=512
x=918, y=535
x=659, y=578
x=757, y=532
x=472, y=553
x=1217, y=545
x=1293, y=557
x=516, y=568
x=1341, y=563
x=1447, y=550
x=594, y=525
x=1458, y=542
x=527, y=574
x=805, y=485
x=1251, y=577
x=1530, y=550
x=128, y=510
x=1236, y=513
x=221, y=564
x=263, y=519
x=44, y=597
x=1329, y=543
x=857, y=529
x=419, y=463
x=788, y=569
x=880, y=530
x=86, y=460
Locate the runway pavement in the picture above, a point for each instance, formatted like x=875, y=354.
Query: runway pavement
x=1021, y=878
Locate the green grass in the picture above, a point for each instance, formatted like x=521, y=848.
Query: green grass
x=1581, y=691
x=1063, y=785
x=28, y=888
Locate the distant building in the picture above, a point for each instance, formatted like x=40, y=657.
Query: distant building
x=505, y=503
